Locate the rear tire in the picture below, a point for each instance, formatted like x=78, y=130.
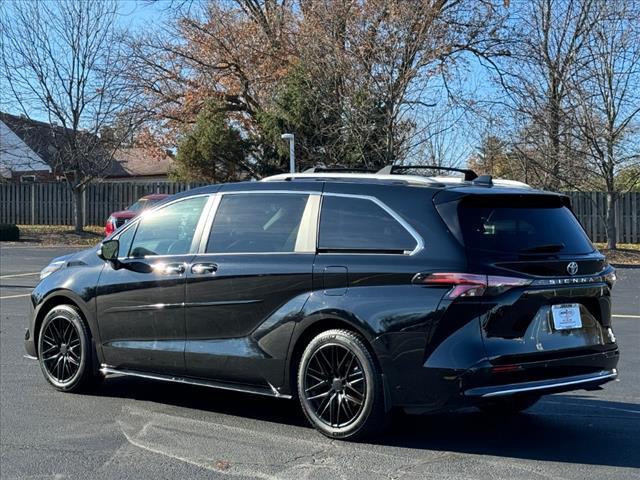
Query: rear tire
x=340, y=386
x=64, y=349
x=509, y=406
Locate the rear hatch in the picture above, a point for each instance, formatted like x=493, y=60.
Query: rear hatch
x=563, y=307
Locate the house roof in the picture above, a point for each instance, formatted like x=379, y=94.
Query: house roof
x=38, y=136
x=139, y=162
x=37, y=140
x=20, y=150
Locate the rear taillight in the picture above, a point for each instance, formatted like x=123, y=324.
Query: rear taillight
x=110, y=226
x=470, y=284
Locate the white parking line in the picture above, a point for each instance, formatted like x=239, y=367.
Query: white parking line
x=15, y=296
x=626, y=316
x=19, y=275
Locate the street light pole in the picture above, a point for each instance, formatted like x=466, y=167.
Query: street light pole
x=292, y=151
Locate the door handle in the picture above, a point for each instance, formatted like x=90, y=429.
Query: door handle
x=203, y=268
x=172, y=269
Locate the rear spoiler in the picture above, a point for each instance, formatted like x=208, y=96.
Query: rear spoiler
x=510, y=195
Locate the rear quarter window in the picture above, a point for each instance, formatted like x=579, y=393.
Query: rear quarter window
x=360, y=225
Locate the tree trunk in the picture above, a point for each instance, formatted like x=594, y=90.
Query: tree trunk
x=612, y=200
x=554, y=134
x=78, y=208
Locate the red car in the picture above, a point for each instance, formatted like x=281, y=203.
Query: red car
x=117, y=219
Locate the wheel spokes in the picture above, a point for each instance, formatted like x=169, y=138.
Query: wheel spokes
x=51, y=357
x=320, y=383
x=335, y=385
x=55, y=332
x=324, y=363
x=50, y=349
x=320, y=395
x=61, y=354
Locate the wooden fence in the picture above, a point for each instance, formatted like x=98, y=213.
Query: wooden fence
x=590, y=208
x=51, y=204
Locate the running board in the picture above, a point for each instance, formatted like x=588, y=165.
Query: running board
x=268, y=392
x=578, y=382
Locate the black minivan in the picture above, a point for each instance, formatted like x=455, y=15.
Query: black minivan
x=356, y=293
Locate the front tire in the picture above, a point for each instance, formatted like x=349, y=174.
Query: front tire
x=64, y=349
x=340, y=387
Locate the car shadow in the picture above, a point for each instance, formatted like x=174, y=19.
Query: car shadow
x=212, y=400
x=560, y=428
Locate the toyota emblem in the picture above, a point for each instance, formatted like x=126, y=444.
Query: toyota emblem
x=572, y=268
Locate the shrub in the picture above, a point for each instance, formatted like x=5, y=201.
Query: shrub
x=9, y=232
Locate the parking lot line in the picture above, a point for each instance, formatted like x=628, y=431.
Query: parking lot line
x=19, y=275
x=15, y=296
x=626, y=316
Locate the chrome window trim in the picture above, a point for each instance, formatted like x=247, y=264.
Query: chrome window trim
x=312, y=210
x=251, y=192
x=210, y=210
x=252, y=253
x=416, y=236
x=306, y=240
x=200, y=227
x=206, y=232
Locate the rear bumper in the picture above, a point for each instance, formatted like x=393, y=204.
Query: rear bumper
x=437, y=389
x=543, y=387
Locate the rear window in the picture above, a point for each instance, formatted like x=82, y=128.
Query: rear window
x=529, y=228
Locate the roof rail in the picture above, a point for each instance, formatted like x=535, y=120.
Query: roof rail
x=338, y=169
x=469, y=175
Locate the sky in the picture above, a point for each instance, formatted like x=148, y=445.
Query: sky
x=143, y=13
x=137, y=15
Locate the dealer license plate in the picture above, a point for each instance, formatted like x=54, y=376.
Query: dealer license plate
x=566, y=316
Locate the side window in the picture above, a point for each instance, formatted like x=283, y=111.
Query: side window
x=168, y=231
x=257, y=222
x=357, y=224
x=125, y=239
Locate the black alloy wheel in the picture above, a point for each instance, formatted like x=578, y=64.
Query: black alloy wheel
x=334, y=385
x=339, y=386
x=63, y=349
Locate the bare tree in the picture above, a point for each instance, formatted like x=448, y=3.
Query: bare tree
x=548, y=44
x=63, y=61
x=607, y=102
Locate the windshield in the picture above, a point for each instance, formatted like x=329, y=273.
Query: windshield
x=527, y=229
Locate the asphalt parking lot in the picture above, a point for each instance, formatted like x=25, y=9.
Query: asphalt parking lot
x=133, y=428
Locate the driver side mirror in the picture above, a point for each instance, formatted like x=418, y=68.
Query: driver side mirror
x=109, y=250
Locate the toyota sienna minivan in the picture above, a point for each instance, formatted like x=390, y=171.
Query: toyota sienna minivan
x=355, y=293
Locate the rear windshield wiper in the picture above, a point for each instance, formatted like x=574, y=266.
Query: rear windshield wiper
x=547, y=248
